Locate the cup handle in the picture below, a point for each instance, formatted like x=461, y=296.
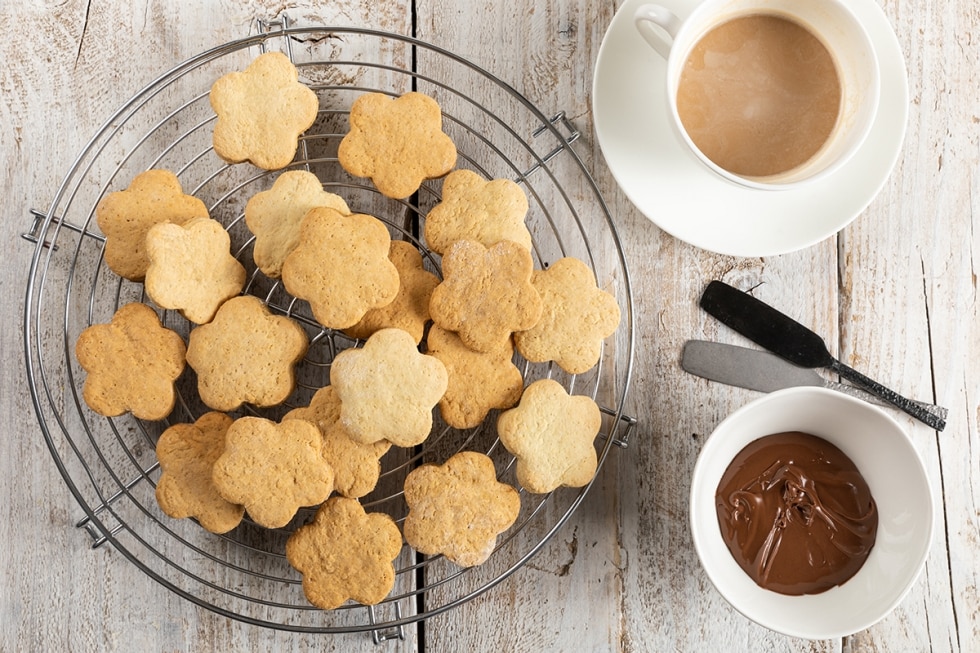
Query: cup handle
x=658, y=26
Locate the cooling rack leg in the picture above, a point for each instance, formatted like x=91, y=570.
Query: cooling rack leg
x=395, y=632
x=97, y=529
x=37, y=227
x=624, y=428
x=35, y=233
x=98, y=536
x=573, y=133
x=273, y=26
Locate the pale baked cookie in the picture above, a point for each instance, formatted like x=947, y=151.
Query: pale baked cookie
x=409, y=311
x=473, y=208
x=187, y=453
x=458, y=509
x=191, y=268
x=261, y=112
x=356, y=466
x=577, y=317
x=388, y=389
x=126, y=216
x=486, y=294
x=273, y=469
x=345, y=553
x=246, y=355
x=478, y=382
x=551, y=434
x=132, y=363
x=341, y=267
x=274, y=216
x=397, y=143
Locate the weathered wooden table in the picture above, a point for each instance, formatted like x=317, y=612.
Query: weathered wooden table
x=895, y=293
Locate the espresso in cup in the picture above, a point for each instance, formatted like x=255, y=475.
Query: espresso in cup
x=759, y=95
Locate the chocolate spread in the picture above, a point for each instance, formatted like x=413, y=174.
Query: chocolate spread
x=796, y=513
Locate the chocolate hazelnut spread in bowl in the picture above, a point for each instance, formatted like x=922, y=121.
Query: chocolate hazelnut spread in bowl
x=796, y=513
x=811, y=512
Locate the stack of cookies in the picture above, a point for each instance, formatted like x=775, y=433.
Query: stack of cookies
x=426, y=341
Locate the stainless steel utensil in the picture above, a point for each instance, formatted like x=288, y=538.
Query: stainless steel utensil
x=760, y=370
x=789, y=339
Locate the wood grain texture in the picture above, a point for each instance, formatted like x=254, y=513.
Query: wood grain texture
x=912, y=266
x=895, y=295
x=544, y=50
x=74, y=64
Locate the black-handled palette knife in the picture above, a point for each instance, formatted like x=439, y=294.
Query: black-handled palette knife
x=787, y=338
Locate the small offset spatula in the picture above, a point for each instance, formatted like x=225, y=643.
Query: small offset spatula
x=780, y=334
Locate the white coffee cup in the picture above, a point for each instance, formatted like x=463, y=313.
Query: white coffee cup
x=834, y=26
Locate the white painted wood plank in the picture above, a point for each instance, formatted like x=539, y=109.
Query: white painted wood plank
x=66, y=69
x=567, y=597
x=910, y=310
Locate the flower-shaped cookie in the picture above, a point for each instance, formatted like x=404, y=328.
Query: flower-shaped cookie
x=551, y=434
x=458, y=509
x=345, y=553
x=577, y=317
x=478, y=382
x=388, y=389
x=341, y=267
x=126, y=216
x=409, y=311
x=274, y=216
x=273, y=469
x=187, y=453
x=397, y=143
x=191, y=268
x=132, y=364
x=261, y=112
x=245, y=355
x=355, y=465
x=486, y=294
x=475, y=209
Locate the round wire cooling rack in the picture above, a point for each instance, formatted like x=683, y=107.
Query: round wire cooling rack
x=109, y=464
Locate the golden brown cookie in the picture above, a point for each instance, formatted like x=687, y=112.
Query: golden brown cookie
x=274, y=216
x=397, y=143
x=478, y=382
x=246, y=355
x=473, y=208
x=191, y=268
x=388, y=389
x=273, y=469
x=551, y=434
x=187, y=453
x=486, y=294
x=355, y=465
x=132, y=364
x=125, y=217
x=261, y=112
x=345, y=553
x=577, y=317
x=409, y=311
x=341, y=267
x=458, y=509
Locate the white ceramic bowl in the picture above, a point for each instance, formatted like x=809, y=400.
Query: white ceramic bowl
x=889, y=462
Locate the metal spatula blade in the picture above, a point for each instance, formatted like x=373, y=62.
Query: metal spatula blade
x=764, y=371
x=786, y=337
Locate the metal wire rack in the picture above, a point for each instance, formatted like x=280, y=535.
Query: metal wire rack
x=109, y=465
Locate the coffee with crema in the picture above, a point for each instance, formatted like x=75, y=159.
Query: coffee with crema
x=759, y=95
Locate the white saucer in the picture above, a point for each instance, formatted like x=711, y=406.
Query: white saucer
x=685, y=199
